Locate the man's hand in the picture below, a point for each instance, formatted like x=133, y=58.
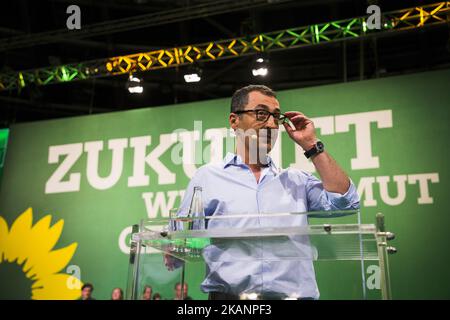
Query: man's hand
x=304, y=133
x=334, y=179
x=171, y=262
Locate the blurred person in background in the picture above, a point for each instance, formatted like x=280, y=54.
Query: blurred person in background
x=181, y=294
x=86, y=292
x=157, y=296
x=117, y=294
x=147, y=294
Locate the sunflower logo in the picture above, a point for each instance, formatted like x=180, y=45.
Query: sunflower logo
x=28, y=248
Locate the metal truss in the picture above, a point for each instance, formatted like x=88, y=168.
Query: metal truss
x=133, y=23
x=400, y=20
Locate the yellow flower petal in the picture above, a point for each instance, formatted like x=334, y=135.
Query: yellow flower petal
x=19, y=235
x=52, y=234
x=57, y=287
x=44, y=239
x=53, y=263
x=32, y=246
x=3, y=237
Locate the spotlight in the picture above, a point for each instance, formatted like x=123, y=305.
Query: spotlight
x=193, y=74
x=263, y=71
x=134, y=85
x=260, y=67
x=192, y=77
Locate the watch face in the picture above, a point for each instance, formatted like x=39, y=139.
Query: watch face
x=320, y=146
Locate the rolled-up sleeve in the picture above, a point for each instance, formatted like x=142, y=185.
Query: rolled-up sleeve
x=320, y=199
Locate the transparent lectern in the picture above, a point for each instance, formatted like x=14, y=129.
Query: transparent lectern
x=262, y=256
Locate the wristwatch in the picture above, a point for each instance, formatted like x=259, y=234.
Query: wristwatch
x=316, y=149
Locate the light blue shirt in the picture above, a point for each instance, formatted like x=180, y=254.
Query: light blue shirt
x=244, y=266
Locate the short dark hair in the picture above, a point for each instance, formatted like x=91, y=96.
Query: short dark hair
x=87, y=285
x=147, y=287
x=240, y=97
x=179, y=284
x=120, y=289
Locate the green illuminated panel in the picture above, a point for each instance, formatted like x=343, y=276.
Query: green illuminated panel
x=3, y=143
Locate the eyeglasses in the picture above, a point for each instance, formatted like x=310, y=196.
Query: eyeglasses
x=263, y=115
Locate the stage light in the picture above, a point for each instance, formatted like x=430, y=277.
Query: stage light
x=134, y=85
x=193, y=74
x=192, y=77
x=260, y=72
x=260, y=67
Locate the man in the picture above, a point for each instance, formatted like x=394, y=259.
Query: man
x=156, y=296
x=117, y=294
x=86, y=292
x=249, y=182
x=181, y=293
x=147, y=293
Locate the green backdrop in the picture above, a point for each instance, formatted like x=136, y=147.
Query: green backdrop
x=388, y=134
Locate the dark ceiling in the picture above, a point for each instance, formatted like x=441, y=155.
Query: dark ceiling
x=402, y=52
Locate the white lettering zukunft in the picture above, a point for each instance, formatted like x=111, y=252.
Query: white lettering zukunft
x=64, y=179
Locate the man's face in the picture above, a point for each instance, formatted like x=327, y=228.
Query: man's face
x=116, y=294
x=265, y=131
x=148, y=294
x=178, y=290
x=86, y=293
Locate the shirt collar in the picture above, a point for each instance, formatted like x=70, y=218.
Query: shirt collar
x=236, y=160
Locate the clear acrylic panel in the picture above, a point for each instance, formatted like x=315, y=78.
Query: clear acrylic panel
x=261, y=255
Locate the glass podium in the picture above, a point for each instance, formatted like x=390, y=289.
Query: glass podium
x=304, y=255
